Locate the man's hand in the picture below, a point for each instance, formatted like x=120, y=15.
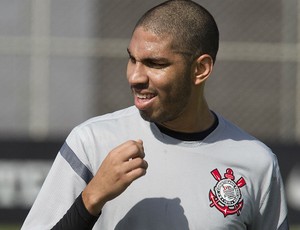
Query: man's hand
x=120, y=168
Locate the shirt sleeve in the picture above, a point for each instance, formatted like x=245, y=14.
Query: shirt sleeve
x=68, y=176
x=273, y=208
x=77, y=217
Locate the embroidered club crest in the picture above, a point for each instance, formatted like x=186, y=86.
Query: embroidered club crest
x=227, y=196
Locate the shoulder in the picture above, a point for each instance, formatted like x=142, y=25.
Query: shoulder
x=120, y=115
x=117, y=119
x=104, y=126
x=94, y=138
x=232, y=134
x=232, y=131
x=244, y=147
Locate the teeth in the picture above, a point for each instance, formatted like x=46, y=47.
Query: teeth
x=144, y=96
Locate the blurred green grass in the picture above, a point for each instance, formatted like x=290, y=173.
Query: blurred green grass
x=9, y=227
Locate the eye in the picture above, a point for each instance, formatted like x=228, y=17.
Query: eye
x=156, y=64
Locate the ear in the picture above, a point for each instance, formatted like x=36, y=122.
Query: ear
x=203, y=68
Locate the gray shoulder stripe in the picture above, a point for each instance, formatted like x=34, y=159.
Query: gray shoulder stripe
x=284, y=225
x=75, y=163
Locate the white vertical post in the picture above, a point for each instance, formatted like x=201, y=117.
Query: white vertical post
x=297, y=104
x=39, y=69
x=288, y=72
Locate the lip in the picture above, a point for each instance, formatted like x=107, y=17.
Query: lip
x=143, y=100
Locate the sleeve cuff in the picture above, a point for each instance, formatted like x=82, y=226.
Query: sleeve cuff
x=84, y=213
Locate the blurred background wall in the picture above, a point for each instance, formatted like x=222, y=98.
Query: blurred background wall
x=64, y=61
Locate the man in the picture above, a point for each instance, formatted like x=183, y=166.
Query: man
x=204, y=172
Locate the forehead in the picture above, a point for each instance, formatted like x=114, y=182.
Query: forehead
x=148, y=43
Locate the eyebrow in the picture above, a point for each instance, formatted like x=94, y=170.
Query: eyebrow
x=157, y=59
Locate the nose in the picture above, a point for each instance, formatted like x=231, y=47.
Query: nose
x=136, y=74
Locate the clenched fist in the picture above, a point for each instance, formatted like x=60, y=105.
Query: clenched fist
x=120, y=168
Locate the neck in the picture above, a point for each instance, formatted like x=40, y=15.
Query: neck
x=198, y=120
x=198, y=136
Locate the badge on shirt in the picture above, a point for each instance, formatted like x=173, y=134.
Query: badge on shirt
x=226, y=195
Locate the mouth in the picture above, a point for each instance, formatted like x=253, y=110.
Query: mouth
x=144, y=95
x=144, y=101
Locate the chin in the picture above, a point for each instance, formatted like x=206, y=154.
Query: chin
x=146, y=116
x=156, y=118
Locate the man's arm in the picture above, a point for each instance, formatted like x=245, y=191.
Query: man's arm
x=120, y=168
x=77, y=217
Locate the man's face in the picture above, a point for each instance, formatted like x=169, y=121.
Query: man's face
x=159, y=76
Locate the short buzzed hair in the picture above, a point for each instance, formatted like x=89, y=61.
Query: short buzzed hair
x=192, y=27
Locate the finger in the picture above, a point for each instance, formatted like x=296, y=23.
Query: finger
x=137, y=173
x=135, y=164
x=139, y=141
x=141, y=148
x=132, y=149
